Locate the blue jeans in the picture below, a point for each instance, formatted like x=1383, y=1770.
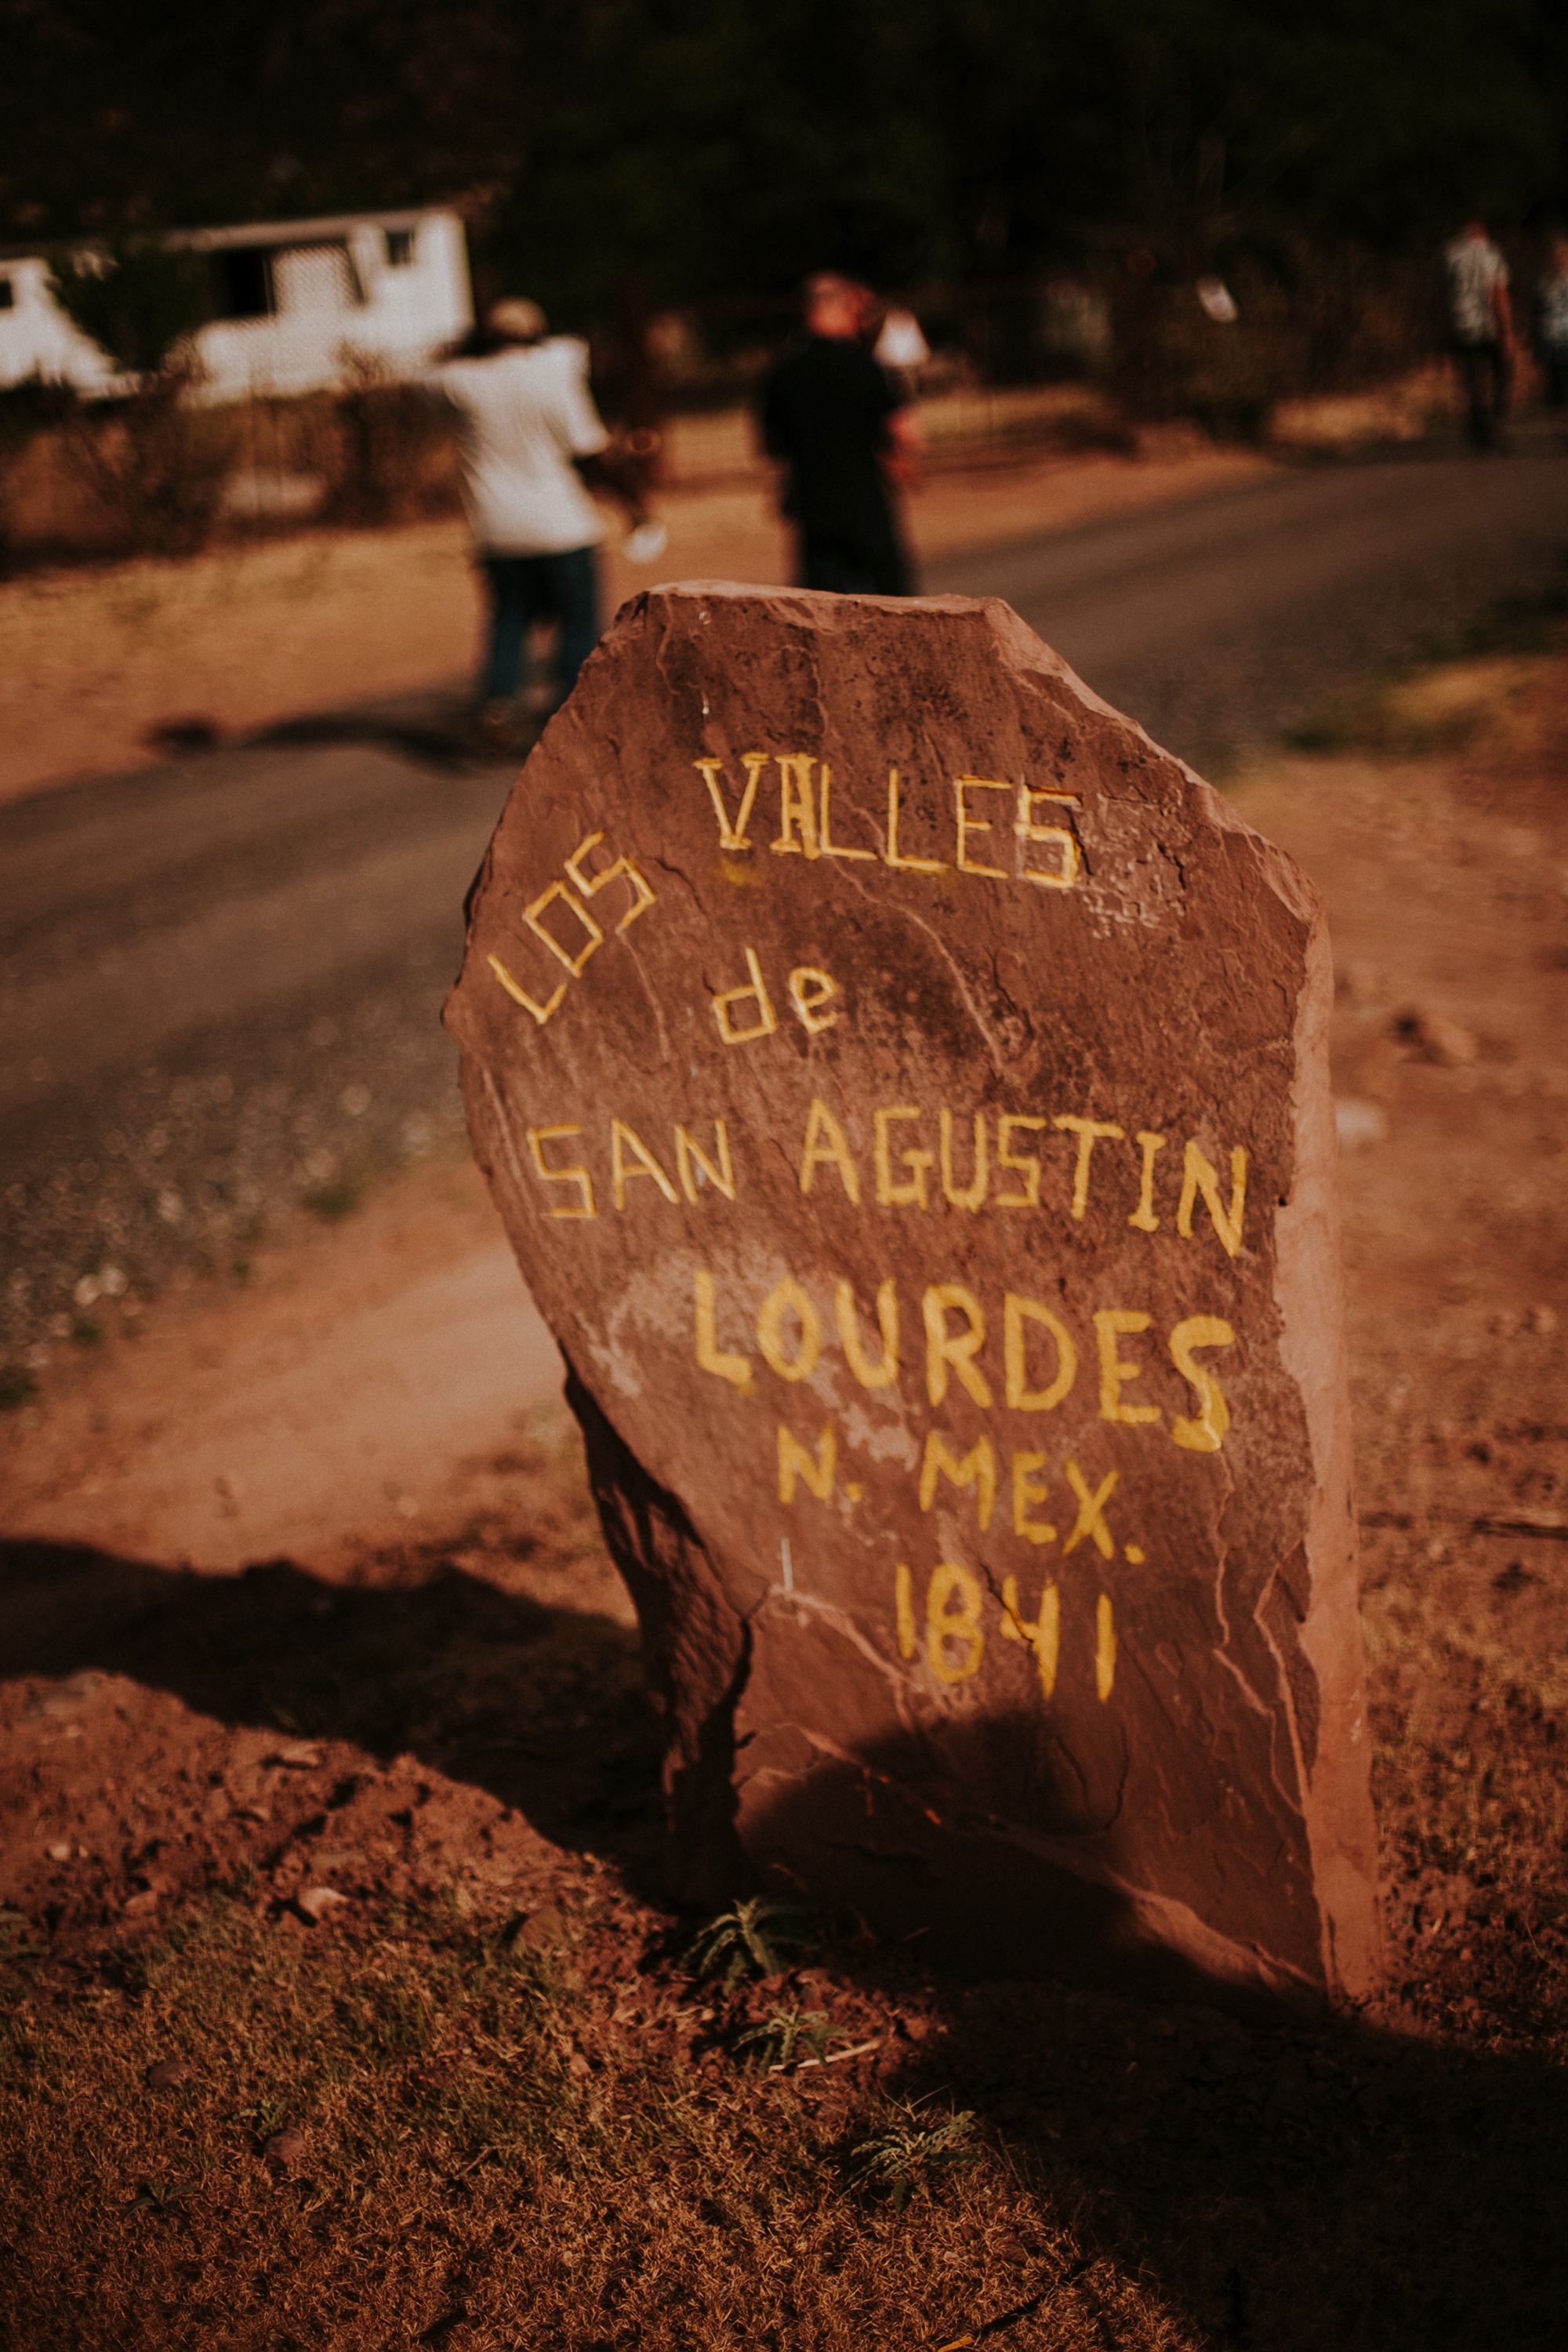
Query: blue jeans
x=1487, y=373
x=528, y=588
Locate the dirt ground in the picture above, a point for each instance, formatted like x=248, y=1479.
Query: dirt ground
x=341, y=2008
x=95, y=661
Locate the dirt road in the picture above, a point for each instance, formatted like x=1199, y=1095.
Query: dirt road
x=1221, y=622
x=220, y=980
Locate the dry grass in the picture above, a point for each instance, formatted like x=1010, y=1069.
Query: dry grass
x=468, y=2175
x=525, y=2121
x=502, y=2146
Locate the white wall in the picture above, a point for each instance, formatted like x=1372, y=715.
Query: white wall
x=37, y=338
x=333, y=294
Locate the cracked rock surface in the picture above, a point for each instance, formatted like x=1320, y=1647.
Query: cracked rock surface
x=906, y=1090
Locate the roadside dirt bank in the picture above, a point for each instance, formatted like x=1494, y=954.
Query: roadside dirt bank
x=93, y=662
x=364, y=1838
x=336, y=1398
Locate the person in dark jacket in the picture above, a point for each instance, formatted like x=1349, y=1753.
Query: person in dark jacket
x=838, y=426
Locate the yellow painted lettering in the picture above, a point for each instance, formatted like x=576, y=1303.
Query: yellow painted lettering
x=1061, y=837
x=1088, y=1132
x=1206, y=1432
x=974, y=1192
x=797, y=805
x=904, y=865
x=968, y=824
x=1104, y=1647
x=978, y=1469
x=829, y=847
x=1091, y=1520
x=785, y=1298
x=869, y=1375
x=520, y=994
x=1030, y=1169
x=959, y=1350
x=911, y=1194
x=733, y=837
x=904, y=1609
x=1143, y=1215
x=623, y=869
x=756, y=990
x=809, y=989
x=625, y=1139
x=1044, y=1636
x=950, y=1582
x=538, y=1137
x=1016, y=1313
x=711, y=1357
x=1198, y=1176
x=1028, y=1490
x=593, y=936
x=695, y=1169
x=1109, y=1324
x=817, y=1470
x=825, y=1148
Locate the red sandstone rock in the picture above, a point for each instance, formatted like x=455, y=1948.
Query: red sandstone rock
x=906, y=1090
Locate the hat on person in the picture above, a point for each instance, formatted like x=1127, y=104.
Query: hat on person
x=520, y=321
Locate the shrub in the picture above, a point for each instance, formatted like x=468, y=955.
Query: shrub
x=381, y=456
x=155, y=463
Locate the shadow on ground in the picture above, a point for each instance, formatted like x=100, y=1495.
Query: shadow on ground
x=541, y=1708
x=1269, y=2184
x=432, y=730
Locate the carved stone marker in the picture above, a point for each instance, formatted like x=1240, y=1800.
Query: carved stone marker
x=906, y=1090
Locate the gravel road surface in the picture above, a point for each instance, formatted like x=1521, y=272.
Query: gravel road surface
x=220, y=980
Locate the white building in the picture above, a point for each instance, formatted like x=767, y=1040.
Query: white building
x=291, y=300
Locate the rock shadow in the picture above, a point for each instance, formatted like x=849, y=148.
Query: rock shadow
x=963, y=1841
x=542, y=1708
x=1306, y=2184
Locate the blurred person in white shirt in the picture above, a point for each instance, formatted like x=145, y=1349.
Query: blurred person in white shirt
x=1480, y=325
x=1551, y=324
x=531, y=442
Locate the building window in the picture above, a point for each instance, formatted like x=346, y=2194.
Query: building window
x=243, y=274
x=314, y=282
x=399, y=248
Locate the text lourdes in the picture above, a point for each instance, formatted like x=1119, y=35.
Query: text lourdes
x=1040, y=1366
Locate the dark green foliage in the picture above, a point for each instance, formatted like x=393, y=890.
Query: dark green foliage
x=896, y=2158
x=29, y=408
x=137, y=301
x=786, y=2033
x=759, y=1936
x=639, y=152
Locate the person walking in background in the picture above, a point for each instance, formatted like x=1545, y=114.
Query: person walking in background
x=839, y=427
x=1551, y=335
x=1480, y=326
x=531, y=440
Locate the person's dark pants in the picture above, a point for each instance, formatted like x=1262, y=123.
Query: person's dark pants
x=1555, y=363
x=1486, y=371
x=524, y=589
x=848, y=568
